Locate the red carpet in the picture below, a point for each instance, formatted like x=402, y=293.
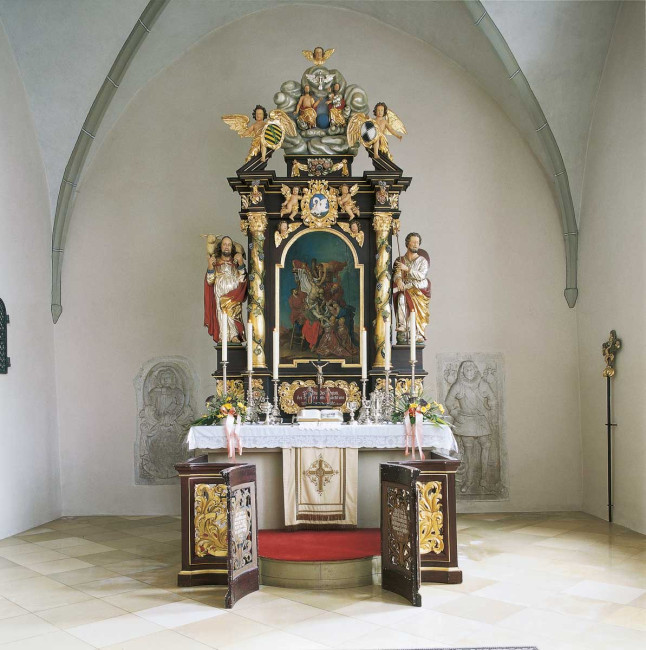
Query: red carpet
x=319, y=545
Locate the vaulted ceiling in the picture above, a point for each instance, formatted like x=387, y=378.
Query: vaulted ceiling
x=65, y=48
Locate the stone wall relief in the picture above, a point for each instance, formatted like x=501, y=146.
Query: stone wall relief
x=471, y=387
x=165, y=388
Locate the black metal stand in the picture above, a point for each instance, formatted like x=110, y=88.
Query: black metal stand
x=609, y=425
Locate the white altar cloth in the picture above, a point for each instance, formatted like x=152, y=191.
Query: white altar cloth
x=285, y=436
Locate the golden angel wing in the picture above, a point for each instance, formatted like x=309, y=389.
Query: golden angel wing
x=309, y=55
x=237, y=123
x=285, y=190
x=395, y=123
x=239, y=249
x=294, y=226
x=354, y=127
x=354, y=189
x=285, y=121
x=328, y=54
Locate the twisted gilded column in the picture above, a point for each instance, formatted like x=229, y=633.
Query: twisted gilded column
x=256, y=224
x=382, y=223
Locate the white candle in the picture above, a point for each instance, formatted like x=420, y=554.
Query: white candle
x=276, y=352
x=387, y=343
x=249, y=346
x=364, y=354
x=225, y=338
x=413, y=336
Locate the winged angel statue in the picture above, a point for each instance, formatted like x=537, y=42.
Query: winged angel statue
x=266, y=133
x=372, y=132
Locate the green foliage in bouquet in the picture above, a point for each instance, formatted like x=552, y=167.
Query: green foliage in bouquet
x=431, y=410
x=218, y=407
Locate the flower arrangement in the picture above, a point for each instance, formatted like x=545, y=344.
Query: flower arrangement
x=431, y=410
x=218, y=407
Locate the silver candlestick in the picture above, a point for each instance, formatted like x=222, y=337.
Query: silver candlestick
x=275, y=412
x=364, y=413
x=251, y=402
x=224, y=378
x=389, y=399
x=413, y=390
x=363, y=389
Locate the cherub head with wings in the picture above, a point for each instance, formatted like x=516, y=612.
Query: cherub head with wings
x=318, y=56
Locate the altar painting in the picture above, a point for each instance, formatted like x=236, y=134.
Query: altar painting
x=320, y=294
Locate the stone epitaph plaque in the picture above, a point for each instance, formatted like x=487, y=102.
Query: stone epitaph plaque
x=471, y=386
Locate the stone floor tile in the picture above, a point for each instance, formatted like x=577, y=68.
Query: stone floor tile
x=165, y=640
x=134, y=601
x=88, y=611
x=179, y=613
x=23, y=627
x=52, y=641
x=110, y=586
x=223, y=630
x=35, y=594
x=604, y=591
x=114, y=630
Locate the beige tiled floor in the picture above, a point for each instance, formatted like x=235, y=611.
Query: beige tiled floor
x=558, y=581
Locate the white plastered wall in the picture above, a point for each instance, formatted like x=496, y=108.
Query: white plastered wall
x=612, y=290
x=30, y=478
x=133, y=273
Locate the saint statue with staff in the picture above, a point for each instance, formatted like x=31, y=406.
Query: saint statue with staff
x=411, y=289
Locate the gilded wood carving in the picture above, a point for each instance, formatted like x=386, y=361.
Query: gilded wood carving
x=431, y=517
x=210, y=520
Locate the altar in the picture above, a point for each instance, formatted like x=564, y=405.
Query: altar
x=337, y=312
x=262, y=445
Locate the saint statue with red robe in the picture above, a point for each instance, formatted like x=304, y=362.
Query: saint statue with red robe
x=225, y=289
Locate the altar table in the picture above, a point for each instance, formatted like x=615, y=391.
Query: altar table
x=360, y=436
x=263, y=444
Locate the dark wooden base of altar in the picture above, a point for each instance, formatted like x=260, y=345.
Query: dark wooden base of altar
x=219, y=526
x=418, y=531
x=438, y=539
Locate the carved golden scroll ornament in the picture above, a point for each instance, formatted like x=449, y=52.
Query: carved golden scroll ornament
x=431, y=517
x=402, y=385
x=210, y=519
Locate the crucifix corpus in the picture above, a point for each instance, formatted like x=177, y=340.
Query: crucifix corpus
x=319, y=373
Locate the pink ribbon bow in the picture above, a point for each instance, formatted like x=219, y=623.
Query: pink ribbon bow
x=232, y=432
x=414, y=433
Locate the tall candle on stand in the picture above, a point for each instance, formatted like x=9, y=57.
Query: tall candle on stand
x=364, y=354
x=387, y=343
x=276, y=353
x=413, y=336
x=225, y=338
x=249, y=346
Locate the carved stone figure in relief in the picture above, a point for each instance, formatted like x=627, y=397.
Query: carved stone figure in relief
x=225, y=289
x=472, y=404
x=163, y=423
x=411, y=289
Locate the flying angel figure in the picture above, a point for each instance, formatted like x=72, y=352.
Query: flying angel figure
x=290, y=204
x=386, y=121
x=346, y=203
x=261, y=132
x=318, y=56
